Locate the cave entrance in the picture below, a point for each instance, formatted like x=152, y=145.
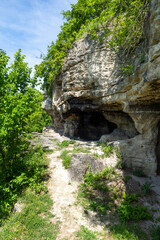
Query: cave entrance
x=158, y=150
x=93, y=125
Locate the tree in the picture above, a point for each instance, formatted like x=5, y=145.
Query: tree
x=18, y=102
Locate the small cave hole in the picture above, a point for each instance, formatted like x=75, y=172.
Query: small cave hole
x=158, y=150
x=93, y=125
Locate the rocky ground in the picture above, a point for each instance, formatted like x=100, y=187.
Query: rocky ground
x=63, y=186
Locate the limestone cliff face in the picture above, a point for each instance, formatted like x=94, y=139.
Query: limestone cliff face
x=92, y=102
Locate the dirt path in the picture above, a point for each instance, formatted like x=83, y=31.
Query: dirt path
x=63, y=194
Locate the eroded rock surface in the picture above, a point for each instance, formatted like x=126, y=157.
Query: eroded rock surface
x=92, y=102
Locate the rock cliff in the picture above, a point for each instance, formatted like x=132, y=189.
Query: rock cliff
x=92, y=101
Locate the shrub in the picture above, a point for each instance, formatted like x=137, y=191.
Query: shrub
x=129, y=212
x=66, y=158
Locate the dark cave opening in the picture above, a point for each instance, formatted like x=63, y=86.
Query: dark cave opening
x=158, y=150
x=92, y=125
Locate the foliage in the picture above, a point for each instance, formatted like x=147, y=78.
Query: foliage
x=126, y=178
x=38, y=118
x=66, y=158
x=29, y=170
x=103, y=193
x=155, y=233
x=119, y=23
x=79, y=149
x=72, y=141
x=139, y=173
x=129, y=212
x=146, y=188
x=63, y=144
x=66, y=155
x=107, y=150
x=94, y=193
x=20, y=109
x=119, y=164
x=85, y=234
x=127, y=70
x=118, y=153
x=126, y=232
x=34, y=222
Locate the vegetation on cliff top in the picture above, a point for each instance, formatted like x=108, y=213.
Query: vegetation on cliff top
x=122, y=20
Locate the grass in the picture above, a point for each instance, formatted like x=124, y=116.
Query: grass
x=155, y=233
x=27, y=185
x=108, y=150
x=46, y=150
x=66, y=155
x=85, y=234
x=80, y=150
x=33, y=222
x=104, y=193
x=65, y=143
x=126, y=232
x=66, y=158
x=30, y=170
x=94, y=193
x=147, y=188
x=139, y=173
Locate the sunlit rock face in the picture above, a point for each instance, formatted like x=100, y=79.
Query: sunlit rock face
x=91, y=101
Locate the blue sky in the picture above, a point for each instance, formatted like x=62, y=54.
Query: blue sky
x=30, y=25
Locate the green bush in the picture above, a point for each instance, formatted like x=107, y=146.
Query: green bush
x=66, y=158
x=155, y=233
x=29, y=171
x=129, y=212
x=127, y=232
x=127, y=70
x=63, y=144
x=147, y=187
x=107, y=150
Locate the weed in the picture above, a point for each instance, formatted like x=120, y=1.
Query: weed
x=66, y=158
x=96, y=155
x=139, y=173
x=126, y=178
x=49, y=151
x=72, y=141
x=146, y=188
x=119, y=164
x=34, y=220
x=94, y=193
x=126, y=232
x=107, y=150
x=118, y=154
x=80, y=150
x=63, y=144
x=129, y=212
x=127, y=70
x=155, y=233
x=85, y=234
x=130, y=197
x=28, y=171
x=158, y=219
